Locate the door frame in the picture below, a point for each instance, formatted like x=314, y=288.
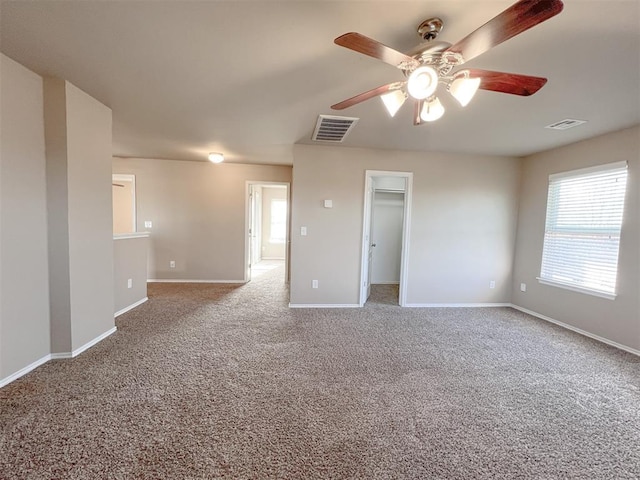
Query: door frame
x=366, y=231
x=247, y=224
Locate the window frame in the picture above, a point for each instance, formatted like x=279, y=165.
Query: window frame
x=278, y=240
x=574, y=175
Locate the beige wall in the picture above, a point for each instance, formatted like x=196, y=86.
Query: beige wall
x=616, y=320
x=24, y=296
x=464, y=214
x=89, y=149
x=56, y=242
x=129, y=263
x=198, y=212
x=78, y=138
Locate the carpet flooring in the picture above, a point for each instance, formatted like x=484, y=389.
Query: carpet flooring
x=221, y=381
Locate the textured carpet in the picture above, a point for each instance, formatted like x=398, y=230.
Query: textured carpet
x=210, y=381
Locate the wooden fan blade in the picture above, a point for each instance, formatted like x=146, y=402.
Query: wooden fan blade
x=389, y=87
x=416, y=112
x=514, y=20
x=361, y=44
x=512, y=83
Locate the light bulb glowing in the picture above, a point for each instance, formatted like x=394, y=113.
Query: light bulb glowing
x=216, y=157
x=463, y=89
x=432, y=110
x=422, y=82
x=393, y=101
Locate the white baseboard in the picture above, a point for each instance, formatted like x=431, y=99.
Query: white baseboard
x=61, y=355
x=90, y=344
x=78, y=351
x=55, y=356
x=456, y=305
x=324, y=305
x=176, y=280
x=24, y=371
x=270, y=258
x=576, y=329
x=130, y=307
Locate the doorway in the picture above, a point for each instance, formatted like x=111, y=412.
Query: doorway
x=385, y=239
x=267, y=228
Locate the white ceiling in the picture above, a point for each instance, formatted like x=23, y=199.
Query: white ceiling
x=249, y=78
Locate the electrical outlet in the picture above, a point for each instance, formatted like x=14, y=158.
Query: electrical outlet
x=148, y=224
x=130, y=283
x=172, y=264
x=523, y=287
x=492, y=284
x=314, y=283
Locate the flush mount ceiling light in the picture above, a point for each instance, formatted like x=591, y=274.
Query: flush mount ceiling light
x=433, y=62
x=216, y=157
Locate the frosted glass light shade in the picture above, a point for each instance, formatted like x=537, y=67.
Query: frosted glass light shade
x=216, y=157
x=422, y=82
x=463, y=89
x=393, y=101
x=432, y=110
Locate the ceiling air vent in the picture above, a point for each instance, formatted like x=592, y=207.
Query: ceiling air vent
x=565, y=124
x=330, y=128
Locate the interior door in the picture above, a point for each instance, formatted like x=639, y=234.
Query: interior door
x=370, y=245
x=253, y=230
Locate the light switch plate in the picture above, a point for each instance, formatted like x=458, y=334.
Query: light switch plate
x=328, y=204
x=148, y=224
x=303, y=231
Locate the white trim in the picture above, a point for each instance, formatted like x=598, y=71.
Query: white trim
x=129, y=177
x=385, y=283
x=575, y=288
x=324, y=305
x=247, y=214
x=23, y=371
x=589, y=170
x=181, y=280
x=124, y=236
x=456, y=305
x=91, y=343
x=406, y=230
x=55, y=356
x=61, y=356
x=270, y=258
x=130, y=307
x=577, y=330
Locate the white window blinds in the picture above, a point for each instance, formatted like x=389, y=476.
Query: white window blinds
x=582, y=230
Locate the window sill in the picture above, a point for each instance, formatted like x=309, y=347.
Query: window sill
x=573, y=288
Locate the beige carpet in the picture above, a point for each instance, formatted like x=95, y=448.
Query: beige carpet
x=214, y=381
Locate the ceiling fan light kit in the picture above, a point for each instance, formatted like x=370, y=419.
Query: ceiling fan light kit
x=463, y=88
x=432, y=62
x=393, y=101
x=422, y=82
x=432, y=110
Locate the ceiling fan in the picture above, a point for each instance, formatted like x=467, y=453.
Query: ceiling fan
x=432, y=62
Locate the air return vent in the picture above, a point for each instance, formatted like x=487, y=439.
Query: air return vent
x=565, y=124
x=330, y=128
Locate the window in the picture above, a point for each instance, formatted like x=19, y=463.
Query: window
x=278, y=230
x=582, y=230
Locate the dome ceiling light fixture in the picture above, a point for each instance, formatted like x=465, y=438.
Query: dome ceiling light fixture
x=432, y=62
x=216, y=157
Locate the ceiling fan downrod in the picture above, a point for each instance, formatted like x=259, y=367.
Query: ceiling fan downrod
x=430, y=28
